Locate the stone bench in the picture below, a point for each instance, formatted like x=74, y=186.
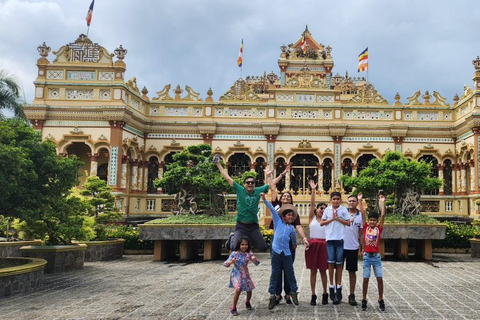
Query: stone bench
x=165, y=237
x=422, y=234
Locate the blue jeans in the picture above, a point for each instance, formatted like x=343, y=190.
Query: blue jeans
x=283, y=275
x=335, y=251
x=372, y=260
x=279, y=262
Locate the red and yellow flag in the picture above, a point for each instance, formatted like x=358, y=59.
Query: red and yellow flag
x=240, y=56
x=363, y=60
x=303, y=45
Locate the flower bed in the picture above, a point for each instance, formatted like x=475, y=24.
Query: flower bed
x=20, y=275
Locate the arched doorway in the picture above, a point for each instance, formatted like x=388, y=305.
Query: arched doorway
x=304, y=169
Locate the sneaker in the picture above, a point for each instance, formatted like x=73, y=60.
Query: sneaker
x=271, y=303
x=325, y=298
x=381, y=304
x=364, y=304
x=332, y=294
x=351, y=300
x=313, y=302
x=248, y=306
x=287, y=299
x=234, y=312
x=339, y=294
x=278, y=299
x=294, y=298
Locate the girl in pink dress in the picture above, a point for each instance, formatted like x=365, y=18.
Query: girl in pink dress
x=240, y=277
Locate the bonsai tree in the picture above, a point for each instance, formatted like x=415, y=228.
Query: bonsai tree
x=102, y=204
x=36, y=186
x=399, y=178
x=196, y=182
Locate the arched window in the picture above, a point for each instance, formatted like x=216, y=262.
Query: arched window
x=347, y=170
x=433, y=172
x=327, y=175
x=168, y=160
x=304, y=169
x=447, y=177
x=363, y=162
x=152, y=174
x=260, y=170
x=102, y=171
x=280, y=167
x=239, y=163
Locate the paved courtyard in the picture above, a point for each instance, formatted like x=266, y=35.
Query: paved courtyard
x=138, y=288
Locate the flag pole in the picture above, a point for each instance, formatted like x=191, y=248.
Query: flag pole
x=88, y=29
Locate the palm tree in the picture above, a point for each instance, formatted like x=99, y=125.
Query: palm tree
x=10, y=96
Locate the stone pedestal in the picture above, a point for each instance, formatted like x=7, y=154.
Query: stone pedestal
x=190, y=236
x=475, y=244
x=59, y=258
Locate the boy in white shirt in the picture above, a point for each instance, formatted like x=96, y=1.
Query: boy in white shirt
x=335, y=218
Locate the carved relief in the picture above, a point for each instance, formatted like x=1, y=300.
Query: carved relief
x=163, y=94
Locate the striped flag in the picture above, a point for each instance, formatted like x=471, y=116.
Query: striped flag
x=303, y=45
x=89, y=13
x=363, y=60
x=240, y=56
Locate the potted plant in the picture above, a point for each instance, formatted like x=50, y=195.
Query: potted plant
x=36, y=188
x=99, y=195
x=402, y=180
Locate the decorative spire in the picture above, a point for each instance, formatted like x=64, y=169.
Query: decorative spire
x=43, y=50
x=476, y=63
x=120, y=52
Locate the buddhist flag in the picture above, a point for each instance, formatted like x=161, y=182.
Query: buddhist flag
x=240, y=56
x=363, y=60
x=89, y=13
x=303, y=45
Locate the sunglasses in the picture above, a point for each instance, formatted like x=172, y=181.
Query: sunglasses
x=249, y=182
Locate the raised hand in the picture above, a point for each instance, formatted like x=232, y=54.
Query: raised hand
x=268, y=171
x=382, y=198
x=360, y=196
x=262, y=196
x=313, y=185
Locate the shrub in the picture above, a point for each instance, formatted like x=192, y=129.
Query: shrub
x=131, y=236
x=267, y=235
x=457, y=236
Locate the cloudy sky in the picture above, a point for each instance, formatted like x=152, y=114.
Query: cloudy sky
x=413, y=45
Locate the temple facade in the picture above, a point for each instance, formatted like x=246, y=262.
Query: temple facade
x=323, y=123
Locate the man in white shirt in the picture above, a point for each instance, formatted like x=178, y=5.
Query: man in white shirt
x=351, y=243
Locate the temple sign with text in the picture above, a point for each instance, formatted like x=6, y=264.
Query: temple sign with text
x=326, y=125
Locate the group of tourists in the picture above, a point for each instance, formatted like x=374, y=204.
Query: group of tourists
x=338, y=236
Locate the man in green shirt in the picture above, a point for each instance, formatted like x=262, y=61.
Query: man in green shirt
x=248, y=199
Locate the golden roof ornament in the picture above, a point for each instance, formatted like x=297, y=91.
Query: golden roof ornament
x=397, y=99
x=163, y=95
x=178, y=91
x=455, y=99
x=192, y=95
x=439, y=100
x=426, y=97
x=413, y=100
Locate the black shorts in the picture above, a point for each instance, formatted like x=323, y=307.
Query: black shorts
x=351, y=260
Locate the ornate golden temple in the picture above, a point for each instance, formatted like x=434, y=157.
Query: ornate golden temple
x=326, y=125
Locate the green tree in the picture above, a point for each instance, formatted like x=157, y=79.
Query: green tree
x=102, y=204
x=196, y=181
x=395, y=176
x=36, y=185
x=10, y=96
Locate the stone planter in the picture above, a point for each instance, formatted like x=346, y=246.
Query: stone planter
x=423, y=234
x=189, y=236
x=12, y=248
x=59, y=258
x=475, y=245
x=20, y=275
x=103, y=250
